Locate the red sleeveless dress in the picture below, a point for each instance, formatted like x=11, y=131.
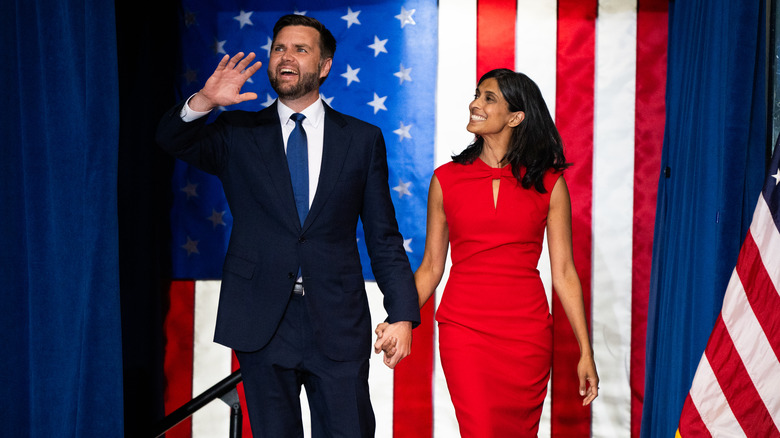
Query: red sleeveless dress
x=495, y=327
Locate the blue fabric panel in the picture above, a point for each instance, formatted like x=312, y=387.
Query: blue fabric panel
x=711, y=174
x=14, y=320
x=62, y=373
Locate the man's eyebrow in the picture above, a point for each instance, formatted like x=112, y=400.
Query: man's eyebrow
x=297, y=46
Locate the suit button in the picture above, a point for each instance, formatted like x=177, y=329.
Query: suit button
x=301, y=240
x=290, y=275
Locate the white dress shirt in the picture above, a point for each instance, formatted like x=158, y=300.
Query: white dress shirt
x=314, y=125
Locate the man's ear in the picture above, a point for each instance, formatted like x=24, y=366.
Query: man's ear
x=325, y=67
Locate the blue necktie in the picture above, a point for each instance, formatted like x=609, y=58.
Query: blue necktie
x=298, y=161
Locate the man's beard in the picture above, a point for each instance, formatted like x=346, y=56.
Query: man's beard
x=308, y=82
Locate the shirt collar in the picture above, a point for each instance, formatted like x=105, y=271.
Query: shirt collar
x=314, y=113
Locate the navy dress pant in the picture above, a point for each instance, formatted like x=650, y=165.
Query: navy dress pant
x=337, y=391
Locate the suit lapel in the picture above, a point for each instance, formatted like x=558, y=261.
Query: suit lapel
x=335, y=146
x=268, y=138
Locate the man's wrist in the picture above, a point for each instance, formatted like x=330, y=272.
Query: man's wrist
x=200, y=103
x=188, y=114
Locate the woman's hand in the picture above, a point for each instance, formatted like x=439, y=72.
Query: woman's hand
x=387, y=345
x=589, y=379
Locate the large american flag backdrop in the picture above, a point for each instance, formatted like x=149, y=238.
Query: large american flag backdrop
x=411, y=67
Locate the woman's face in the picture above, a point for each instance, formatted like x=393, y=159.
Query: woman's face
x=489, y=111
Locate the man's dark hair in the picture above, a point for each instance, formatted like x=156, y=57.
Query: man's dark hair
x=327, y=41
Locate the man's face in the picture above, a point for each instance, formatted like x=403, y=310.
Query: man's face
x=295, y=67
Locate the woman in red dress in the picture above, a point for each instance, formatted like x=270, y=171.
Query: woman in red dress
x=492, y=205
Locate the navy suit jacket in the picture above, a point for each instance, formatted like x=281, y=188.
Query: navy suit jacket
x=268, y=244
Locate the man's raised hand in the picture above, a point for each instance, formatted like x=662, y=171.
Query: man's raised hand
x=223, y=87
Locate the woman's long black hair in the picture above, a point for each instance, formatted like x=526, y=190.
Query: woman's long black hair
x=536, y=144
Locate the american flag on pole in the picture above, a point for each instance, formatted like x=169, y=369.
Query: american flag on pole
x=411, y=67
x=735, y=388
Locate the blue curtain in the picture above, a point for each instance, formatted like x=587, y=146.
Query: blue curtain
x=60, y=337
x=712, y=169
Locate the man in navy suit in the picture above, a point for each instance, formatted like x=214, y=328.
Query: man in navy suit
x=293, y=303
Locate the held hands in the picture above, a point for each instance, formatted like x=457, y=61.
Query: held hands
x=223, y=87
x=589, y=379
x=395, y=340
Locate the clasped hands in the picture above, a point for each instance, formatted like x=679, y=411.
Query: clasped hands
x=395, y=340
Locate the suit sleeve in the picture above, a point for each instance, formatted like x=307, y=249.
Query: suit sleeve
x=385, y=243
x=197, y=143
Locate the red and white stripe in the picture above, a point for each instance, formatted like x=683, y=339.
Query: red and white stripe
x=734, y=391
x=601, y=66
x=596, y=62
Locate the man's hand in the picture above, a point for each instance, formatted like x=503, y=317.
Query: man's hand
x=223, y=87
x=395, y=340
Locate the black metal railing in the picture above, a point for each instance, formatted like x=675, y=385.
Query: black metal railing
x=224, y=390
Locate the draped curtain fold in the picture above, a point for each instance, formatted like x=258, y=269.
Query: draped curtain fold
x=711, y=174
x=60, y=336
